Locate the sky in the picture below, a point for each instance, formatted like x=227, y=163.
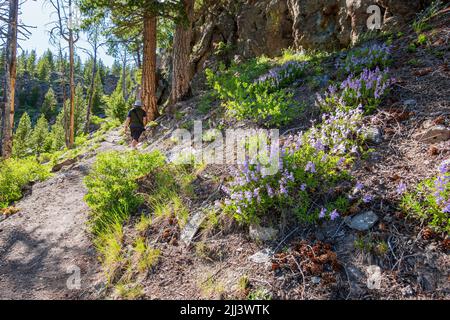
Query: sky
x=39, y=15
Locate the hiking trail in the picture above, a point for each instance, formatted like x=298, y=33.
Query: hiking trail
x=46, y=244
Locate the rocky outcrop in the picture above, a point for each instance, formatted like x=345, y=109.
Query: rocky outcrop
x=233, y=29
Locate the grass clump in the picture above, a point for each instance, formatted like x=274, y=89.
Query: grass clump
x=112, y=187
x=112, y=196
x=129, y=291
x=147, y=257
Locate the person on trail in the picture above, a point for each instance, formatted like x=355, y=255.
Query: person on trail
x=136, y=121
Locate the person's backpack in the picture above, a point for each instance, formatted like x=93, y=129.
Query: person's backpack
x=137, y=117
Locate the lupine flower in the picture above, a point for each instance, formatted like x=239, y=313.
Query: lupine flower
x=359, y=186
x=269, y=191
x=334, y=215
x=401, y=188
x=311, y=167
x=447, y=208
x=367, y=198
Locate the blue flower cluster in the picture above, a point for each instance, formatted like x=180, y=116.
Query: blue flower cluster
x=442, y=186
x=308, y=162
x=365, y=89
x=284, y=75
x=367, y=57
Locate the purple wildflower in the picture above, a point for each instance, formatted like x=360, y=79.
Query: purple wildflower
x=446, y=208
x=401, y=188
x=367, y=198
x=311, y=167
x=359, y=186
x=322, y=213
x=334, y=215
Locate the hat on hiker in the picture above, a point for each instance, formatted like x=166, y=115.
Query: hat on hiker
x=138, y=103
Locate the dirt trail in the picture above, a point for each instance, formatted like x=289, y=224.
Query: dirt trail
x=43, y=246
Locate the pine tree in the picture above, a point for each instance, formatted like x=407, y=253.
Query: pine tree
x=116, y=106
x=40, y=135
x=80, y=110
x=31, y=63
x=22, y=137
x=57, y=133
x=43, y=69
x=49, y=105
x=97, y=99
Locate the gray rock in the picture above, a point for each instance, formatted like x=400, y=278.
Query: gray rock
x=316, y=280
x=434, y=134
x=373, y=135
x=261, y=257
x=363, y=221
x=409, y=103
x=191, y=228
x=258, y=233
x=407, y=291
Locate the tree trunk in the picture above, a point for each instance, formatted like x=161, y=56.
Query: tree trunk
x=63, y=89
x=138, y=57
x=181, y=55
x=72, y=90
x=91, y=91
x=124, y=75
x=149, y=68
x=10, y=80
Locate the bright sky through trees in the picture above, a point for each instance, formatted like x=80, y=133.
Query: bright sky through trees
x=38, y=14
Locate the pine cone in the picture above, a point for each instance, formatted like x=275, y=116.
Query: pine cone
x=427, y=234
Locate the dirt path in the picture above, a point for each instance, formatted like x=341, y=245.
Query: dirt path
x=46, y=245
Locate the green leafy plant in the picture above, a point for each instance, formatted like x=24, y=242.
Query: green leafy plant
x=15, y=174
x=430, y=201
x=255, y=91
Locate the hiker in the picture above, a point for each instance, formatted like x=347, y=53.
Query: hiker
x=136, y=121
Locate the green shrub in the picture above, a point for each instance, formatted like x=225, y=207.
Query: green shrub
x=254, y=91
x=16, y=174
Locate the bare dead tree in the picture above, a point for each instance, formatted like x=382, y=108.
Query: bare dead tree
x=7, y=119
x=95, y=40
x=65, y=28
